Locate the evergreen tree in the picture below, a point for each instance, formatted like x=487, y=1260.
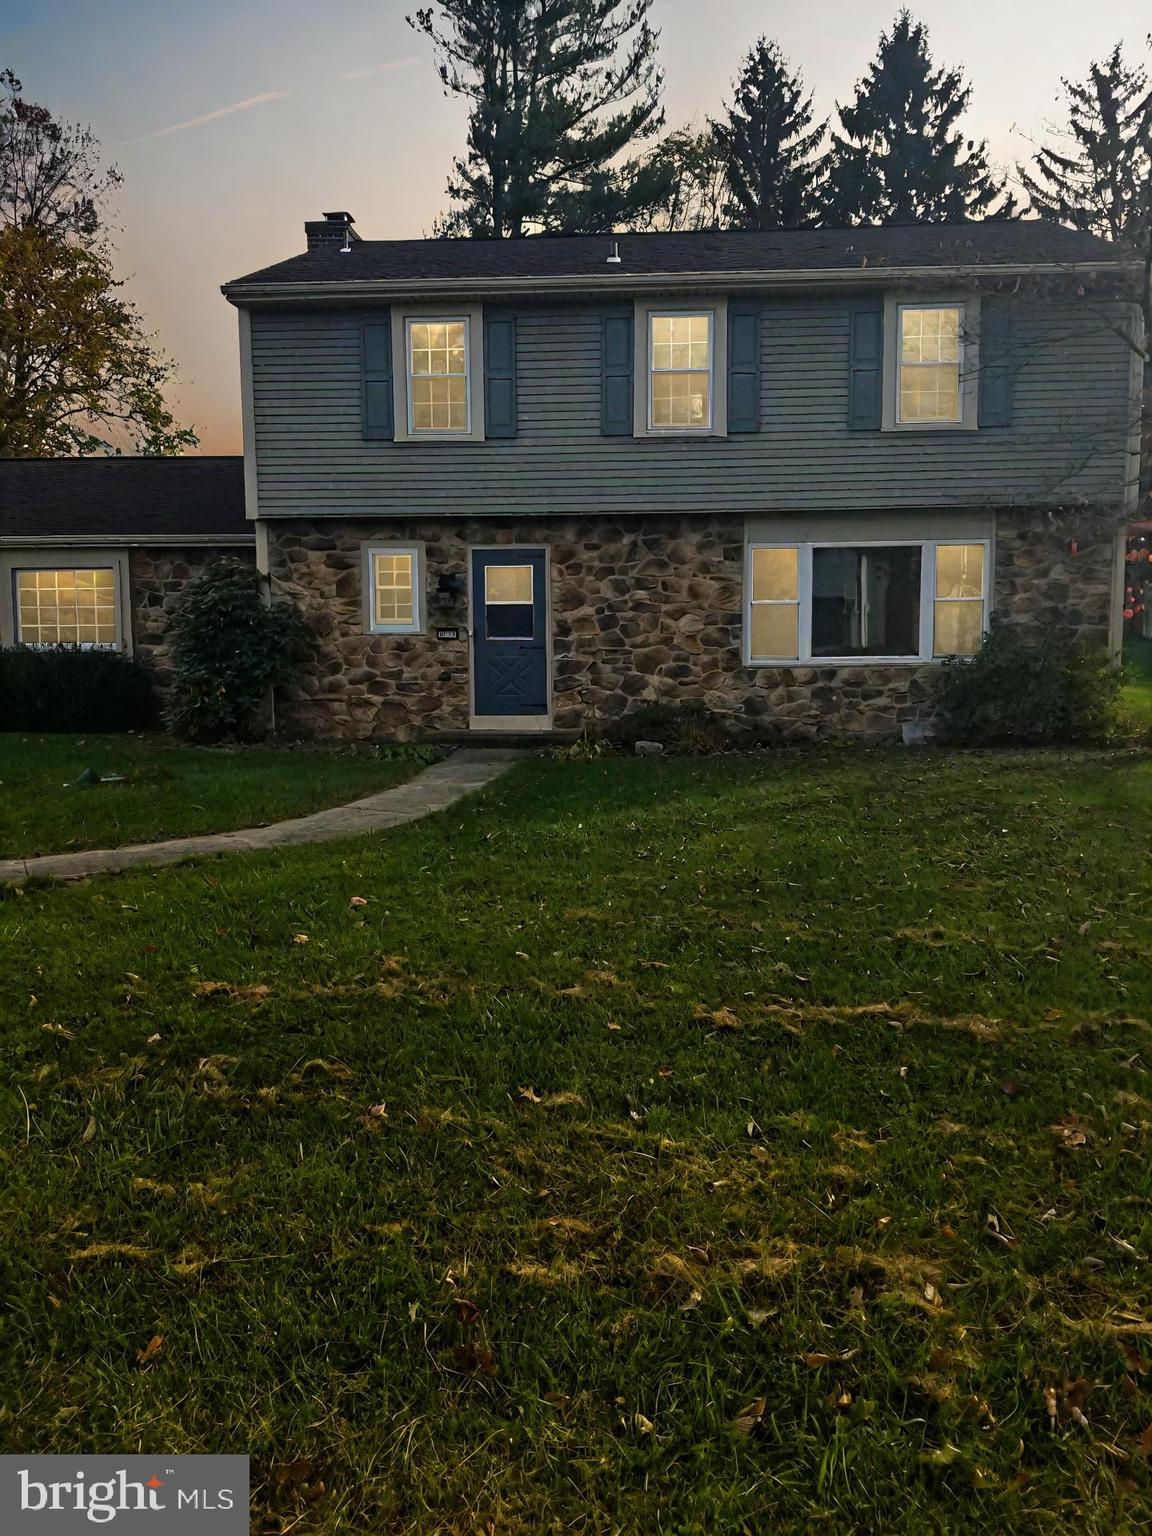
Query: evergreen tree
x=901, y=157
x=1099, y=179
x=768, y=143
x=560, y=90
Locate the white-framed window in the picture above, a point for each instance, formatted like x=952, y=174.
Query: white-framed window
x=931, y=363
x=680, y=370
x=72, y=605
x=437, y=351
x=895, y=600
x=393, y=589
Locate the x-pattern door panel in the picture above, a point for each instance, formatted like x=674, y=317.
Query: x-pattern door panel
x=510, y=632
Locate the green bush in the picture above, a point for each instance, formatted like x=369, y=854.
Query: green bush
x=687, y=730
x=64, y=688
x=229, y=648
x=1016, y=691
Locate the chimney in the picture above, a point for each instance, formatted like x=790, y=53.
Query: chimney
x=330, y=232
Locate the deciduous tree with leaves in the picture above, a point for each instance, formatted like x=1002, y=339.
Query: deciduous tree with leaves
x=559, y=93
x=694, y=161
x=78, y=372
x=901, y=156
x=769, y=143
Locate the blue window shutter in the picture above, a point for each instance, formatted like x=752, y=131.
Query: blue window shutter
x=616, y=375
x=743, y=368
x=866, y=366
x=376, y=378
x=997, y=384
x=500, y=375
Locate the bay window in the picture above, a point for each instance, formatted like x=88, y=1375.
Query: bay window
x=893, y=601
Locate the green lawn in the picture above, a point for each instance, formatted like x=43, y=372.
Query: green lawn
x=738, y=1146
x=1136, y=695
x=169, y=791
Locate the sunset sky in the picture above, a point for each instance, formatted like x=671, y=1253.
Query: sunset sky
x=235, y=120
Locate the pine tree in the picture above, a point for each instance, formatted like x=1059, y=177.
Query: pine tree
x=560, y=91
x=901, y=157
x=768, y=143
x=1099, y=179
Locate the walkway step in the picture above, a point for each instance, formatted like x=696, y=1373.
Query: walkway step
x=433, y=790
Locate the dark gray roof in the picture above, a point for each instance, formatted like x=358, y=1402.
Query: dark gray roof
x=197, y=498
x=1023, y=242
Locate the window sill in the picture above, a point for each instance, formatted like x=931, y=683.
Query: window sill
x=849, y=661
x=930, y=426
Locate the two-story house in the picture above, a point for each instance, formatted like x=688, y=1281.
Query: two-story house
x=525, y=485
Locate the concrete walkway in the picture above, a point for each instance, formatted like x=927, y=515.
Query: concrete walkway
x=439, y=786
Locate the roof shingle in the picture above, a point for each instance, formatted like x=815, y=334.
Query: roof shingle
x=122, y=498
x=1023, y=242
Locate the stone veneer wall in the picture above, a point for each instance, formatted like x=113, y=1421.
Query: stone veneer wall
x=642, y=609
x=157, y=577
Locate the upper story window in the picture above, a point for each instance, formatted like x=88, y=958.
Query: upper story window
x=67, y=607
x=929, y=345
x=439, y=395
x=930, y=372
x=680, y=357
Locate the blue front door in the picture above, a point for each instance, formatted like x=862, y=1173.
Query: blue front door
x=510, y=631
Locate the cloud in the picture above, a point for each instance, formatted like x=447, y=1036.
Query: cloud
x=379, y=69
x=210, y=117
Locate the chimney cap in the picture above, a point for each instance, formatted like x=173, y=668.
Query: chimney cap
x=340, y=218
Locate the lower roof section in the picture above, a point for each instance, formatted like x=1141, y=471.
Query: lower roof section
x=124, y=500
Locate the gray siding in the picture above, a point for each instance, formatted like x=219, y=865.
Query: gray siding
x=1068, y=438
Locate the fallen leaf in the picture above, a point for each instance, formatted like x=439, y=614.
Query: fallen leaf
x=378, y=1111
x=645, y=1426
x=475, y=1357
x=1077, y=1392
x=1010, y=1087
x=357, y=901
x=557, y=1399
x=748, y=1418
x=814, y=1359
x=944, y=1456
x=723, y=1018
x=89, y=1131
x=1133, y=1358
x=467, y=1312
x=110, y=1251
x=153, y=1347
x=529, y=1096
x=1146, y=1444
x=300, y=938
x=998, y=1233
x=1070, y=1132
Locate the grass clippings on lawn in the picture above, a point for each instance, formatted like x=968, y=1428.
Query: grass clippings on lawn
x=167, y=791
x=640, y=1147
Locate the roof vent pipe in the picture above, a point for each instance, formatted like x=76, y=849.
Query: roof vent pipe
x=614, y=259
